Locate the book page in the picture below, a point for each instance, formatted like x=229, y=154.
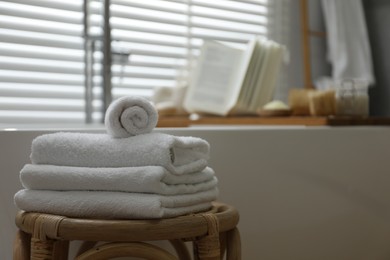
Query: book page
x=272, y=75
x=253, y=74
x=250, y=59
x=216, y=81
x=260, y=83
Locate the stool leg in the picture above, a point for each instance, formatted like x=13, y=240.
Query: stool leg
x=60, y=250
x=207, y=248
x=49, y=249
x=233, y=244
x=181, y=249
x=21, y=250
x=41, y=249
x=222, y=244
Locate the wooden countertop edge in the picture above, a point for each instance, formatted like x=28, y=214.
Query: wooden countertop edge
x=183, y=121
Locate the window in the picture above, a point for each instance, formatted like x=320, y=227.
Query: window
x=153, y=44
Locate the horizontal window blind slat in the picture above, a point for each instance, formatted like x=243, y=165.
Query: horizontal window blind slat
x=31, y=25
x=48, y=78
x=25, y=11
x=169, y=17
x=178, y=8
x=141, y=82
x=40, y=94
x=261, y=9
x=45, y=91
x=48, y=67
x=127, y=67
x=25, y=51
x=177, y=1
x=147, y=40
x=34, y=117
x=134, y=75
x=132, y=47
x=157, y=53
x=142, y=75
x=10, y=36
x=227, y=18
x=154, y=65
x=119, y=82
x=262, y=30
x=157, y=60
x=129, y=26
x=255, y=2
x=205, y=36
x=74, y=5
x=120, y=91
x=142, y=17
x=41, y=104
x=46, y=56
x=149, y=57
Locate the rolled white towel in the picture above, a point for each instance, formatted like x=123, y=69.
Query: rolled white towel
x=113, y=205
x=129, y=116
x=178, y=154
x=146, y=179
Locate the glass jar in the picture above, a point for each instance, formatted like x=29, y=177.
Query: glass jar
x=352, y=98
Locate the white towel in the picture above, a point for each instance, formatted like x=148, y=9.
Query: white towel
x=146, y=179
x=347, y=38
x=113, y=205
x=177, y=154
x=129, y=116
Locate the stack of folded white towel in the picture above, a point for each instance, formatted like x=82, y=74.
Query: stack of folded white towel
x=129, y=173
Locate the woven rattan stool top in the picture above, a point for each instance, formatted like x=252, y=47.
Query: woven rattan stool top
x=202, y=228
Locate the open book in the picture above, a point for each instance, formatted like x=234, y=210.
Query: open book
x=230, y=80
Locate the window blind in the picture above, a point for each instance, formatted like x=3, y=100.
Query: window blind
x=153, y=44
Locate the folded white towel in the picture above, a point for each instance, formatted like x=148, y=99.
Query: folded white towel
x=146, y=179
x=128, y=116
x=178, y=154
x=113, y=205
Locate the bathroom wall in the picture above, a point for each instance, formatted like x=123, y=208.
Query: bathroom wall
x=302, y=192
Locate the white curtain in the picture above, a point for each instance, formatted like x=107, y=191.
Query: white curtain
x=348, y=44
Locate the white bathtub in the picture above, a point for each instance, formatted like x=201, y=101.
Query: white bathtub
x=303, y=193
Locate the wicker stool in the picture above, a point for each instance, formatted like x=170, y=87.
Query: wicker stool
x=213, y=233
